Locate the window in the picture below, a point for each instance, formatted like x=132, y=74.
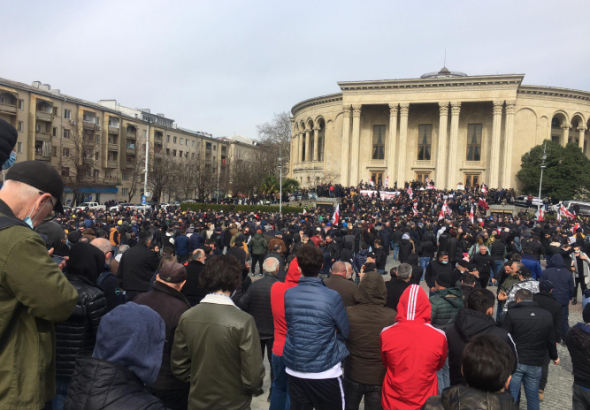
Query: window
x=556, y=138
x=422, y=176
x=66, y=152
x=19, y=147
x=167, y=138
x=19, y=126
x=193, y=143
x=65, y=172
x=175, y=139
x=424, y=142
x=144, y=133
x=186, y=154
x=55, y=111
x=125, y=176
x=21, y=105
x=186, y=142
x=180, y=154
x=192, y=155
x=54, y=133
x=125, y=191
x=474, y=142
x=167, y=151
x=66, y=133
x=96, y=156
x=54, y=152
x=378, y=142
x=68, y=114
x=173, y=152
x=97, y=138
x=214, y=147
x=377, y=177
x=471, y=180
x=181, y=141
x=96, y=173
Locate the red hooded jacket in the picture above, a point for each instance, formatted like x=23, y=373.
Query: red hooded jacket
x=412, y=351
x=277, y=301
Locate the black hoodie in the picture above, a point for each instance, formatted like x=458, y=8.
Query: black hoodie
x=468, y=324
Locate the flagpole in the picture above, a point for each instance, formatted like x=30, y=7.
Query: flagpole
x=543, y=166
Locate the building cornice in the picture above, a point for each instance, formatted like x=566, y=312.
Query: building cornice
x=324, y=99
x=513, y=80
x=553, y=92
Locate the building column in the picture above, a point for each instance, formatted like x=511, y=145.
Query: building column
x=293, y=159
x=316, y=136
x=581, y=133
x=355, y=145
x=391, y=156
x=308, y=152
x=300, y=151
x=565, y=135
x=494, y=181
x=344, y=168
x=453, y=142
x=441, y=152
x=403, y=144
x=508, y=151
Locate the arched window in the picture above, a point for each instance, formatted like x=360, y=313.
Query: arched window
x=555, y=123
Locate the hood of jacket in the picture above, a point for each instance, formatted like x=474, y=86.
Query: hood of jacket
x=412, y=259
x=469, y=323
x=556, y=261
x=86, y=261
x=293, y=273
x=454, y=296
x=258, y=236
x=371, y=290
x=132, y=336
x=414, y=306
x=463, y=397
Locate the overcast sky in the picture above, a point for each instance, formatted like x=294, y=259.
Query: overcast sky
x=225, y=66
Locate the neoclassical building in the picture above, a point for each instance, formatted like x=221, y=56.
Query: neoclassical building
x=445, y=126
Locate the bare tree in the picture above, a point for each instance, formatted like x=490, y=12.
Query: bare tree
x=276, y=134
x=135, y=173
x=80, y=156
x=196, y=176
x=161, y=177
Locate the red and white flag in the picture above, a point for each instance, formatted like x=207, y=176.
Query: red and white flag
x=371, y=182
x=559, y=217
x=427, y=181
x=575, y=228
x=336, y=216
x=410, y=193
x=441, y=215
x=415, y=208
x=471, y=215
x=304, y=211
x=484, y=189
x=387, y=181
x=446, y=209
x=563, y=211
x=540, y=214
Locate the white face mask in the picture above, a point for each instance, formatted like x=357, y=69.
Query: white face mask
x=30, y=221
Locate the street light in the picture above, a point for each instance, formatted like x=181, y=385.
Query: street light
x=280, y=182
x=543, y=166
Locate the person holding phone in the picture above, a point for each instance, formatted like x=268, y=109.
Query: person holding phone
x=582, y=272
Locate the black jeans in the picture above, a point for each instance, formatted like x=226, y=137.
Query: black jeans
x=257, y=259
x=176, y=399
x=354, y=393
x=484, y=278
x=544, y=372
x=581, y=398
x=321, y=394
x=582, y=283
x=267, y=343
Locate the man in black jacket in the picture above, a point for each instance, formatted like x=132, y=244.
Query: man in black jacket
x=137, y=266
x=396, y=286
x=532, y=329
x=577, y=341
x=256, y=301
x=167, y=300
x=380, y=256
x=546, y=301
x=475, y=319
x=192, y=289
x=486, y=266
x=436, y=267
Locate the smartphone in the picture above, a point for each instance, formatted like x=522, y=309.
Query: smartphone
x=58, y=259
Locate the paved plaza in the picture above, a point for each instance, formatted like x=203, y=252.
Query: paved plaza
x=558, y=393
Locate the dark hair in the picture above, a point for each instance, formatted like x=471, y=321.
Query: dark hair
x=364, y=246
x=523, y=294
x=144, y=236
x=480, y=300
x=487, y=363
x=310, y=260
x=378, y=242
x=222, y=272
x=441, y=254
x=468, y=279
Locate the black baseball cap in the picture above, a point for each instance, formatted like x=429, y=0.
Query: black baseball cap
x=40, y=175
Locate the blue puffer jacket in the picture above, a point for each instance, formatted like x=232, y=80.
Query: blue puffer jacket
x=317, y=327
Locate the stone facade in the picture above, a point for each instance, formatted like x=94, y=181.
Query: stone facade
x=445, y=126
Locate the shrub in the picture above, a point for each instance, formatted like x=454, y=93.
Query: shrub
x=192, y=206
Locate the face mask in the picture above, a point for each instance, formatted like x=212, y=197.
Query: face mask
x=10, y=161
x=444, y=262
x=28, y=219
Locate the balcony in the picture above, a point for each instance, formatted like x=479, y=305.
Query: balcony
x=112, y=164
x=158, y=138
x=44, y=116
x=129, y=165
x=113, y=147
x=130, y=150
x=132, y=136
x=6, y=108
x=41, y=136
x=112, y=180
x=113, y=130
x=89, y=125
x=42, y=157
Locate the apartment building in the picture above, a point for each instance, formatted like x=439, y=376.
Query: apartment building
x=99, y=148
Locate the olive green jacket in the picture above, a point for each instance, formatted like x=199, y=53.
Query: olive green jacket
x=29, y=278
x=217, y=349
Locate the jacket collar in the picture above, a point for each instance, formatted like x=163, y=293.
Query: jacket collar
x=160, y=287
x=5, y=209
x=217, y=299
x=311, y=281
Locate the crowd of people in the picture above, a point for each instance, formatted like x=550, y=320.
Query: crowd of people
x=175, y=309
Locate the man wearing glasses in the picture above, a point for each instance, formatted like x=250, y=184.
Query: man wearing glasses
x=34, y=293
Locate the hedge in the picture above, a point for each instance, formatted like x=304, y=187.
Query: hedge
x=192, y=206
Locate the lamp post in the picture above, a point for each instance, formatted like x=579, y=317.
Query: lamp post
x=147, y=155
x=280, y=181
x=543, y=166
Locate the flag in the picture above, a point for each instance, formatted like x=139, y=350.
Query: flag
x=387, y=181
x=415, y=208
x=410, y=193
x=575, y=228
x=471, y=215
x=427, y=181
x=540, y=214
x=446, y=209
x=304, y=211
x=484, y=189
x=559, y=217
x=483, y=204
x=371, y=182
x=441, y=215
x=563, y=211
x=336, y=216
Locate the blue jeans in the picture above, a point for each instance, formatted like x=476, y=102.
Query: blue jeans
x=499, y=265
x=565, y=325
x=443, y=376
x=61, y=391
x=279, y=399
x=530, y=376
x=424, y=261
x=395, y=251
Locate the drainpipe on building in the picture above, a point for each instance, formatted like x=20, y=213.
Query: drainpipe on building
x=147, y=156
